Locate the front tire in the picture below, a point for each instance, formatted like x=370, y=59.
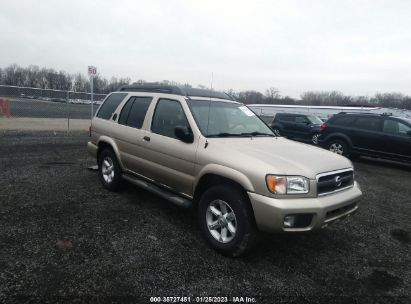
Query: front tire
x=227, y=221
x=109, y=170
x=314, y=138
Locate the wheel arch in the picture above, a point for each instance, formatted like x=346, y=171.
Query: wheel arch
x=340, y=136
x=215, y=175
x=107, y=142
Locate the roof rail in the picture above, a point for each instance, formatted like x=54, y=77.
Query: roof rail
x=177, y=90
x=361, y=113
x=367, y=113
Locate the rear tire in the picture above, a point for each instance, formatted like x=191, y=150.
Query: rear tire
x=109, y=170
x=226, y=220
x=338, y=146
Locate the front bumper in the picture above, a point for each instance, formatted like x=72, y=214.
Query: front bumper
x=92, y=149
x=270, y=212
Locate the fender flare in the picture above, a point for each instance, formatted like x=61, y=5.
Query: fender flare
x=226, y=172
x=113, y=145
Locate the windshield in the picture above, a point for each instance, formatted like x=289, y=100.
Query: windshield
x=314, y=120
x=225, y=119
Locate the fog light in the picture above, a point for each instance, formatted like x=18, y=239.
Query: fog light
x=302, y=220
x=289, y=221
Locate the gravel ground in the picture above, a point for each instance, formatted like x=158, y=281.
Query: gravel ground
x=64, y=238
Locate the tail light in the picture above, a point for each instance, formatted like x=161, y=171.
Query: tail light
x=323, y=127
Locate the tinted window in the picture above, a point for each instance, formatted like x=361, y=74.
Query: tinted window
x=287, y=118
x=395, y=127
x=368, y=123
x=125, y=111
x=342, y=120
x=134, y=112
x=301, y=119
x=110, y=105
x=167, y=116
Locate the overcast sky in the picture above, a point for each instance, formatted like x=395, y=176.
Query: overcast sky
x=356, y=47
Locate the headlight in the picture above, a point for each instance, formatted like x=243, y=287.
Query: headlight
x=287, y=184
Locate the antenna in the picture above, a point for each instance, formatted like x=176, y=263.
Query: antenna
x=209, y=104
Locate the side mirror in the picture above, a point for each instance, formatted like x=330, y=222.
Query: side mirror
x=184, y=134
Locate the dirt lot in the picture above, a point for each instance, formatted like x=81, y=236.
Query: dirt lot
x=64, y=238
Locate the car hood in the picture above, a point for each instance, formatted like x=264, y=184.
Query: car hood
x=276, y=155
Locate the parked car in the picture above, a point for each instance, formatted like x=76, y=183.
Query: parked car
x=302, y=127
x=201, y=149
x=376, y=135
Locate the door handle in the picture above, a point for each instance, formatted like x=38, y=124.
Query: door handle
x=146, y=138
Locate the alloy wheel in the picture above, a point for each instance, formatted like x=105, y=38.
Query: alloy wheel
x=107, y=169
x=337, y=148
x=221, y=221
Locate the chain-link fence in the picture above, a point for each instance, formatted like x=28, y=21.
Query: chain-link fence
x=25, y=108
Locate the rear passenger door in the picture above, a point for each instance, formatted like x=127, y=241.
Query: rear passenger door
x=172, y=161
x=129, y=136
x=365, y=133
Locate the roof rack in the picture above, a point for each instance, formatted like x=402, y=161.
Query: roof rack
x=169, y=89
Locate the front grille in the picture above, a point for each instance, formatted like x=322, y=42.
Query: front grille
x=330, y=182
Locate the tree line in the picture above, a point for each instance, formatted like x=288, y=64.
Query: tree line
x=47, y=78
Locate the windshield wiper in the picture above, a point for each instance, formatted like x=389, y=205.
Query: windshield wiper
x=225, y=134
x=258, y=134
x=248, y=134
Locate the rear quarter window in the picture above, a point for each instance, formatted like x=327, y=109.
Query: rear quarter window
x=110, y=105
x=368, y=123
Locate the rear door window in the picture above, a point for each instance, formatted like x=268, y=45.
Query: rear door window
x=110, y=105
x=395, y=127
x=287, y=118
x=134, y=112
x=368, y=123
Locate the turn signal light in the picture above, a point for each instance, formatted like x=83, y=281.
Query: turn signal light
x=276, y=184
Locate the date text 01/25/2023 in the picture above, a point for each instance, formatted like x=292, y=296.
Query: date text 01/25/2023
x=203, y=299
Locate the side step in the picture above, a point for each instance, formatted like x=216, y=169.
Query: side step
x=170, y=196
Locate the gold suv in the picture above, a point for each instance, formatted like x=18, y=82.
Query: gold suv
x=201, y=148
